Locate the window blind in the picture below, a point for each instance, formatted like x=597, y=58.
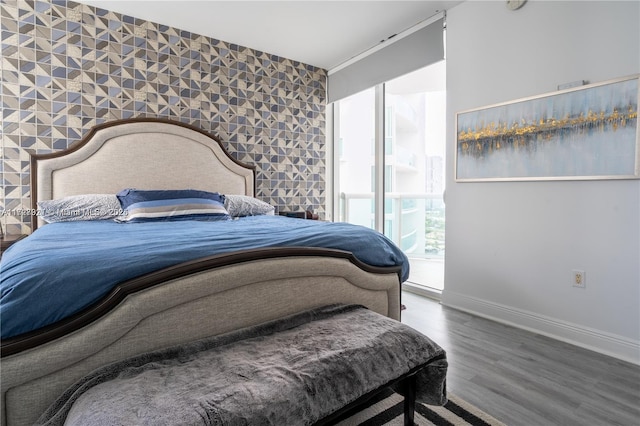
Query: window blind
x=413, y=51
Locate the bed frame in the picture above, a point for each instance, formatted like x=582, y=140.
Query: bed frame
x=179, y=304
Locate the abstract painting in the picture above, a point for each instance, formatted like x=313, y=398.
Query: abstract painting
x=587, y=132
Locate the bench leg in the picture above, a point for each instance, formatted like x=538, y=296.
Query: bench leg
x=409, y=388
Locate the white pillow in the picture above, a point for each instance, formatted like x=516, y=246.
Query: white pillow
x=243, y=205
x=80, y=207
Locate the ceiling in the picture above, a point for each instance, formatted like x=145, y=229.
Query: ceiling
x=324, y=33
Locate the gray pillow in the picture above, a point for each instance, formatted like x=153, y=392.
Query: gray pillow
x=80, y=207
x=243, y=205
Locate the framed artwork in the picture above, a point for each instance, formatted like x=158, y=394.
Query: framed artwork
x=586, y=132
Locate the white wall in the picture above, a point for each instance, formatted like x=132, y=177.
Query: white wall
x=511, y=246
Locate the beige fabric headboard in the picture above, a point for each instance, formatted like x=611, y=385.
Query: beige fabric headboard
x=139, y=153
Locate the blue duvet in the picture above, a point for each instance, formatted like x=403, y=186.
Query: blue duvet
x=65, y=267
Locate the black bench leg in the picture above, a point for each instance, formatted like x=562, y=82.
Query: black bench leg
x=409, y=388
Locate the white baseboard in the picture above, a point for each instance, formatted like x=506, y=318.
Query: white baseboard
x=588, y=338
x=421, y=290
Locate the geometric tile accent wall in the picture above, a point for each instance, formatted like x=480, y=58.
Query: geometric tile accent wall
x=66, y=67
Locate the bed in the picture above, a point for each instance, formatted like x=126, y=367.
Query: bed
x=176, y=302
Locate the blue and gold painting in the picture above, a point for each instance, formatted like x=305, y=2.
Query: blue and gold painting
x=589, y=132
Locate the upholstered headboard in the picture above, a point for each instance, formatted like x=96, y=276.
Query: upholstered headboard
x=140, y=153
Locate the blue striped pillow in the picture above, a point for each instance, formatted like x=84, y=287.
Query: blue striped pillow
x=171, y=205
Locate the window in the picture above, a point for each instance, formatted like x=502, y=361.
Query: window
x=411, y=155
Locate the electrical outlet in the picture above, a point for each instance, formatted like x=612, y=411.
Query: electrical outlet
x=578, y=278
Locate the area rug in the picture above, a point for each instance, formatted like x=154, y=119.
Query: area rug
x=386, y=410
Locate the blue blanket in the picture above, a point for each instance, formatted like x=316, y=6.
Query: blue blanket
x=65, y=267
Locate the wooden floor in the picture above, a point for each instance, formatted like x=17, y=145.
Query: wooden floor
x=522, y=378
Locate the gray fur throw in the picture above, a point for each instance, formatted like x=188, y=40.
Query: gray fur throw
x=291, y=371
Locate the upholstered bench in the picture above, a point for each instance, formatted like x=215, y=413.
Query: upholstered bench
x=308, y=368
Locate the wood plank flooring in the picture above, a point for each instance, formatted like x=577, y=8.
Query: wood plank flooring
x=522, y=378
